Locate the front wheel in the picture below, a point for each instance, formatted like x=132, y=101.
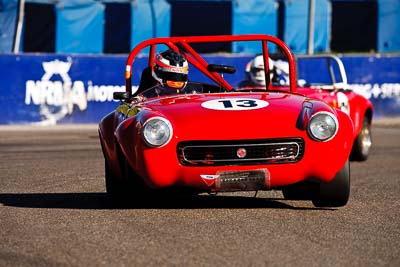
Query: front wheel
x=299, y=191
x=116, y=188
x=363, y=142
x=335, y=193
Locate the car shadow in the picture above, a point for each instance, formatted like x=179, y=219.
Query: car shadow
x=100, y=200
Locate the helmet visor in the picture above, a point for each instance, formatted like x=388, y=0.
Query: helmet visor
x=174, y=84
x=257, y=71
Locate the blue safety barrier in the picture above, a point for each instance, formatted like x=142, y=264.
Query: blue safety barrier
x=48, y=89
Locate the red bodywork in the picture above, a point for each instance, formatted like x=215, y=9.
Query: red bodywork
x=356, y=106
x=284, y=116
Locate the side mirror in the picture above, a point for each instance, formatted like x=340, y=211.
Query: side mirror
x=120, y=95
x=221, y=68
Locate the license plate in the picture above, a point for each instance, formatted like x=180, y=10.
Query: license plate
x=249, y=180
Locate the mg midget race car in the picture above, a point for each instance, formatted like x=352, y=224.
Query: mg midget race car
x=216, y=136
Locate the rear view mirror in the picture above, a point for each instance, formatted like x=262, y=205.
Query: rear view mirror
x=221, y=68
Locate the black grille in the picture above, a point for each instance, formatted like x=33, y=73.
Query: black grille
x=248, y=152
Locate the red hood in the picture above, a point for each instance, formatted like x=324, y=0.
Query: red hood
x=238, y=115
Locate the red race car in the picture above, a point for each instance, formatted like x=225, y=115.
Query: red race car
x=176, y=135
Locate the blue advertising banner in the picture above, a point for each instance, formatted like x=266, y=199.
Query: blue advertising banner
x=48, y=89
x=378, y=79
x=66, y=89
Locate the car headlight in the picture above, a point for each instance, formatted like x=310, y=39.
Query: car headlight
x=322, y=126
x=157, y=131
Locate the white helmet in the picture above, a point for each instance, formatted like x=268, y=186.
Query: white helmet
x=256, y=71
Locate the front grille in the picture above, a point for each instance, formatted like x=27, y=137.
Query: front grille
x=249, y=152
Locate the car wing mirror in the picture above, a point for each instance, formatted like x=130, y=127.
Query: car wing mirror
x=120, y=95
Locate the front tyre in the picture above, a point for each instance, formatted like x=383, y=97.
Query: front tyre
x=299, y=191
x=335, y=193
x=362, y=144
x=116, y=188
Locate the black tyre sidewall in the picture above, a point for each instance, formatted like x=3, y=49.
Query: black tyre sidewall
x=335, y=193
x=357, y=153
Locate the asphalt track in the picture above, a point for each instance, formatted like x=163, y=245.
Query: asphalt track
x=54, y=212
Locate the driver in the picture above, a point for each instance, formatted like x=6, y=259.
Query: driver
x=255, y=74
x=171, y=70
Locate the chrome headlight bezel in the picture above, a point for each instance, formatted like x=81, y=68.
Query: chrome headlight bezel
x=327, y=121
x=157, y=132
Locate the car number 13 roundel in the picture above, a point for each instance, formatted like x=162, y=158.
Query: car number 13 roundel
x=234, y=104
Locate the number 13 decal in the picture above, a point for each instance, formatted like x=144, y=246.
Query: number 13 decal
x=244, y=103
x=235, y=104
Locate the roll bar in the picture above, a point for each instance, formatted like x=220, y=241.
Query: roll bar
x=183, y=45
